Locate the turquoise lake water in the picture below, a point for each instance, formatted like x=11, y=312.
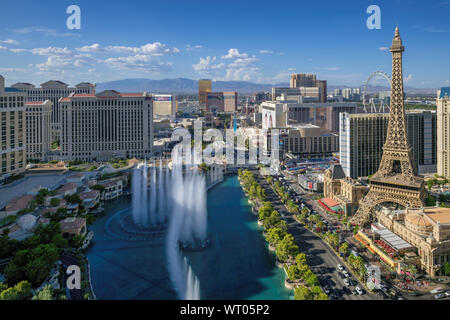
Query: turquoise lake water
x=237, y=265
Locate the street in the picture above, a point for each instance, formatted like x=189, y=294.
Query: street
x=321, y=259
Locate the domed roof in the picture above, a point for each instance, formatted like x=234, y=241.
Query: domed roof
x=416, y=217
x=27, y=221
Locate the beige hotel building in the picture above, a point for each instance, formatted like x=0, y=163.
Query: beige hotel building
x=38, y=129
x=109, y=124
x=443, y=132
x=53, y=90
x=12, y=130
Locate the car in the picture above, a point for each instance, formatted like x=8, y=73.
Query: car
x=439, y=296
x=337, y=293
x=341, y=275
x=353, y=291
x=392, y=292
x=340, y=267
x=326, y=289
x=352, y=282
x=346, y=290
x=382, y=294
x=359, y=290
x=436, y=290
x=447, y=293
x=345, y=273
x=346, y=282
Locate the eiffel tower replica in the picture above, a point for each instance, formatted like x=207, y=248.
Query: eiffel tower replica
x=396, y=180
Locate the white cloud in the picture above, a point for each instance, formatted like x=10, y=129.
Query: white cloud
x=207, y=65
x=192, y=48
x=44, y=31
x=408, y=78
x=58, y=63
x=51, y=51
x=11, y=70
x=265, y=51
x=153, y=49
x=384, y=48
x=10, y=41
x=92, y=48
x=144, y=63
x=243, y=62
x=234, y=53
x=242, y=69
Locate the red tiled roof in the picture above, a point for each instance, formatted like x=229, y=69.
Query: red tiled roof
x=34, y=102
x=329, y=202
x=68, y=186
x=19, y=203
x=72, y=223
x=88, y=194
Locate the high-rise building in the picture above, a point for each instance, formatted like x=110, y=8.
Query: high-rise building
x=204, y=86
x=109, y=124
x=362, y=136
x=443, y=132
x=303, y=80
x=12, y=130
x=307, y=94
x=361, y=140
x=261, y=97
x=324, y=115
x=230, y=101
x=309, y=81
x=53, y=90
x=214, y=102
x=164, y=105
x=38, y=129
x=422, y=133
x=322, y=85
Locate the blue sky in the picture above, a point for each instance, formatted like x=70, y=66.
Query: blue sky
x=260, y=41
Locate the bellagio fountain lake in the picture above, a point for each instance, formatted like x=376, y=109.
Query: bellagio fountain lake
x=184, y=233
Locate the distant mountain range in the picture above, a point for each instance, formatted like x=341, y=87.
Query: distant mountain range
x=189, y=86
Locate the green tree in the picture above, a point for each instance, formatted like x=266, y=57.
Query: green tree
x=99, y=187
x=302, y=217
x=321, y=296
x=430, y=201
x=303, y=293
x=272, y=220
x=74, y=198
x=286, y=248
x=275, y=235
x=305, y=210
x=54, y=202
x=264, y=212
x=333, y=239
x=311, y=278
x=344, y=249
x=9, y=294
x=293, y=272
x=300, y=259
x=45, y=294
x=23, y=290
x=446, y=268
